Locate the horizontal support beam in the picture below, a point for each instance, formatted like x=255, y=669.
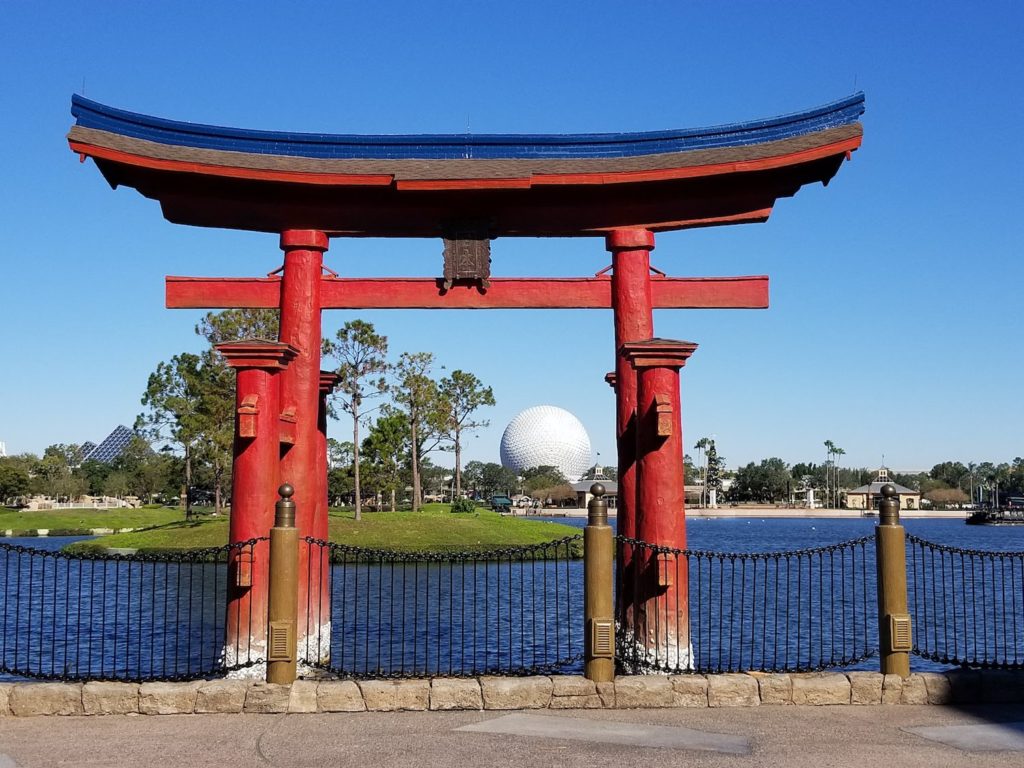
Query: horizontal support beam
x=504, y=293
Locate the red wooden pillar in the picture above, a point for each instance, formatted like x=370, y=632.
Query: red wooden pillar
x=254, y=483
x=321, y=571
x=328, y=381
x=631, y=305
x=661, y=623
x=300, y=395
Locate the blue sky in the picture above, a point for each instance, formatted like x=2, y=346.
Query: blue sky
x=895, y=326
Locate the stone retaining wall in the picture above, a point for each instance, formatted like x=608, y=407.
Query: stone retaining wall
x=507, y=693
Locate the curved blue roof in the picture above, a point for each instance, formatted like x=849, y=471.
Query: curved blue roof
x=93, y=115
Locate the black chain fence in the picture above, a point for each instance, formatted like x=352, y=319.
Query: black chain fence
x=120, y=617
x=511, y=611
x=508, y=611
x=712, y=612
x=967, y=605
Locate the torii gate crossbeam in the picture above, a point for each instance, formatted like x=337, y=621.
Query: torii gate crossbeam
x=749, y=292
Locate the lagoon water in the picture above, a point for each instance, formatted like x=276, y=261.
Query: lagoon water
x=739, y=535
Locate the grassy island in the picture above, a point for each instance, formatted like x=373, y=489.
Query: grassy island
x=80, y=522
x=433, y=529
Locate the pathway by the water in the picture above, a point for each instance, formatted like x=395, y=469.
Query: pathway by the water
x=793, y=736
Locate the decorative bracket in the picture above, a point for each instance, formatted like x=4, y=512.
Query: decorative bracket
x=663, y=413
x=288, y=422
x=247, y=413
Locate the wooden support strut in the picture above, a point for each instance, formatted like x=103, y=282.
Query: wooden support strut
x=747, y=292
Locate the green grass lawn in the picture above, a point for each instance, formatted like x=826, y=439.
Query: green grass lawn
x=175, y=536
x=84, y=519
x=432, y=530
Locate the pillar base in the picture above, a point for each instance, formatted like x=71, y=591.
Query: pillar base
x=637, y=659
x=314, y=646
x=232, y=655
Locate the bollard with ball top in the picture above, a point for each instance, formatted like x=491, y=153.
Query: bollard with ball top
x=598, y=556
x=283, y=603
x=894, y=631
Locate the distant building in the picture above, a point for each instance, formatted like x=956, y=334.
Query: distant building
x=582, y=488
x=3, y=449
x=110, y=447
x=868, y=496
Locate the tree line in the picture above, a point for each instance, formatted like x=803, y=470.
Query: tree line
x=189, y=412
x=189, y=407
x=949, y=483
x=61, y=474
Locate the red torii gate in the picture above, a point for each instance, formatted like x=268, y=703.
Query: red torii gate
x=468, y=190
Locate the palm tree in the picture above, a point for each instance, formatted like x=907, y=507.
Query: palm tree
x=830, y=449
x=837, y=452
x=702, y=446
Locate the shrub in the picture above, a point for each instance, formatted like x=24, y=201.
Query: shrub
x=463, y=506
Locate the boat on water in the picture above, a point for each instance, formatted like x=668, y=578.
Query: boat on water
x=1004, y=516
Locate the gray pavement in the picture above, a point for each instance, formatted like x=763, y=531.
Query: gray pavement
x=908, y=736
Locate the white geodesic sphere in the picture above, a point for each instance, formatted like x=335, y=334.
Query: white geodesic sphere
x=546, y=436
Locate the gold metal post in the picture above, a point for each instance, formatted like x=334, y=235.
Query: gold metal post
x=283, y=603
x=598, y=552
x=894, y=632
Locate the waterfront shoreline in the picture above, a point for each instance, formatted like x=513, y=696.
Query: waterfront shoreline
x=777, y=513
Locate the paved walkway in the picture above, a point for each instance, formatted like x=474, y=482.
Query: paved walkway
x=908, y=736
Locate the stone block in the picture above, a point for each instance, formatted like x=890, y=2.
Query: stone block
x=865, y=687
x=689, y=690
x=303, y=697
x=516, y=692
x=821, y=689
x=574, y=692
x=892, y=689
x=606, y=692
x=593, y=701
x=964, y=686
x=915, y=691
x=572, y=685
x=938, y=688
x=110, y=698
x=395, y=695
x=1002, y=686
x=267, y=698
x=643, y=692
x=29, y=699
x=168, y=698
x=733, y=690
x=5, y=695
x=221, y=697
x=449, y=693
x=339, y=696
x=774, y=687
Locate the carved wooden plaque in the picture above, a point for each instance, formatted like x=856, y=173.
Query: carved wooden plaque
x=467, y=257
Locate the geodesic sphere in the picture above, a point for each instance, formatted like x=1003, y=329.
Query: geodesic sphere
x=546, y=436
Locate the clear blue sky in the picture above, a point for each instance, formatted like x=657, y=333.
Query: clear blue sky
x=896, y=317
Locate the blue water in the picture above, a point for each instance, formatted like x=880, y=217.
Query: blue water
x=63, y=616
x=46, y=543
x=522, y=621
x=761, y=535
x=755, y=534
